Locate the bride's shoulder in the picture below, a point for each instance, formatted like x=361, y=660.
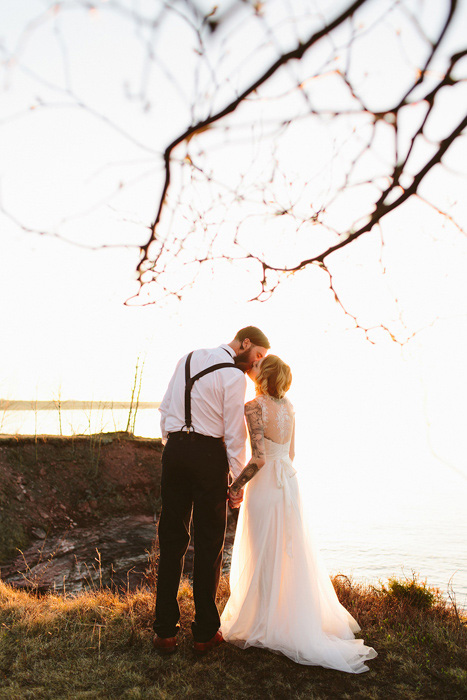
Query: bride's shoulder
x=254, y=410
x=254, y=403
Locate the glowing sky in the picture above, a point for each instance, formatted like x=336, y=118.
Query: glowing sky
x=64, y=325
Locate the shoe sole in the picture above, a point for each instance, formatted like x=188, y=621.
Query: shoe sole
x=165, y=649
x=201, y=652
x=166, y=652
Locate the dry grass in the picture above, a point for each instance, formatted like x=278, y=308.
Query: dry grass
x=98, y=645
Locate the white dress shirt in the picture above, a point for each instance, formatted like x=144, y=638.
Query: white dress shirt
x=217, y=403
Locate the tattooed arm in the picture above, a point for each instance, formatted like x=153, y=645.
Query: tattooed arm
x=254, y=421
x=247, y=474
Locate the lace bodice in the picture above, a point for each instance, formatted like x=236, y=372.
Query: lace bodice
x=278, y=418
x=272, y=429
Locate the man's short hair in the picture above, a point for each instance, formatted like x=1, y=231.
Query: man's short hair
x=256, y=336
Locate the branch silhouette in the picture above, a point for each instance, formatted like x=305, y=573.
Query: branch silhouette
x=392, y=197
x=201, y=126
x=251, y=210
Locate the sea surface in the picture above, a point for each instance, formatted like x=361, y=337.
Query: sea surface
x=376, y=510
x=387, y=516
x=94, y=418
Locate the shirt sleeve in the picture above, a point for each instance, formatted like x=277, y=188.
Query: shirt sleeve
x=234, y=423
x=165, y=404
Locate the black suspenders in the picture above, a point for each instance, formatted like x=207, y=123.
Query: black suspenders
x=189, y=381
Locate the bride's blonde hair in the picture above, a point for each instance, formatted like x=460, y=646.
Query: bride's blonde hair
x=274, y=377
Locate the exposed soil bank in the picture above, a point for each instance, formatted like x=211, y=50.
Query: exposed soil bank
x=80, y=511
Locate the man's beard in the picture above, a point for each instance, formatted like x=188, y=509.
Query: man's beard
x=244, y=361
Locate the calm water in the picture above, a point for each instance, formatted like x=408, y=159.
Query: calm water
x=74, y=422
x=376, y=509
x=387, y=516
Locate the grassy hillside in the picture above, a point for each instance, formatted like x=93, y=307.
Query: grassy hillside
x=98, y=645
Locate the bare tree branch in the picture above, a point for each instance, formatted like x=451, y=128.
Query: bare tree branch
x=225, y=187
x=201, y=126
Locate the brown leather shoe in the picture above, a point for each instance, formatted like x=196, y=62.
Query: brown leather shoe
x=164, y=645
x=203, y=647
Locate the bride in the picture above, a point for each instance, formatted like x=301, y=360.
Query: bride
x=282, y=598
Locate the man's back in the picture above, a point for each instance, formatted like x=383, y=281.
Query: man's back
x=217, y=402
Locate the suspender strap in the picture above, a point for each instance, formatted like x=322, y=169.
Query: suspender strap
x=188, y=386
x=189, y=381
x=208, y=370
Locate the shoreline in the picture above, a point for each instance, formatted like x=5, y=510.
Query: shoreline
x=109, y=476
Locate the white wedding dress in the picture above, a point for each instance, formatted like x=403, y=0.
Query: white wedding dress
x=282, y=598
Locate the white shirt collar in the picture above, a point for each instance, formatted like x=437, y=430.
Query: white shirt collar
x=229, y=350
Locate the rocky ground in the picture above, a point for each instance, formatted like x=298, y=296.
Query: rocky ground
x=77, y=512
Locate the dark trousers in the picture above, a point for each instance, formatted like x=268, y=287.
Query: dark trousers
x=194, y=481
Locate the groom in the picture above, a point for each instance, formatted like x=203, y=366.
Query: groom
x=202, y=421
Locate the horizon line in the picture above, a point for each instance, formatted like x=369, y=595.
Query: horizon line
x=71, y=404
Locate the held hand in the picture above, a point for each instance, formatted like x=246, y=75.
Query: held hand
x=235, y=498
